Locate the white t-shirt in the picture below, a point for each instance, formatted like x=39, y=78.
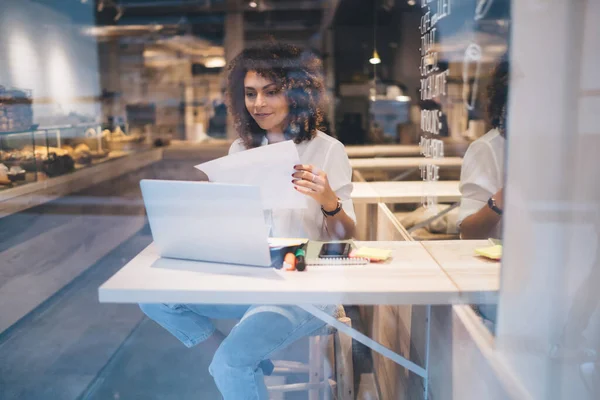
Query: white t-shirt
x=482, y=175
x=328, y=154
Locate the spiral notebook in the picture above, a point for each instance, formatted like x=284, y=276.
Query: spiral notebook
x=337, y=261
x=312, y=256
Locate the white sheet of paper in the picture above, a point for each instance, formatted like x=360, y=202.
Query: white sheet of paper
x=269, y=167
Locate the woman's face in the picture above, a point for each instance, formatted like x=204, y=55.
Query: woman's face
x=265, y=102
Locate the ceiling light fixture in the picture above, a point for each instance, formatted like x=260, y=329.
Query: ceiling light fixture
x=215, y=62
x=375, y=59
x=411, y=2
x=253, y=4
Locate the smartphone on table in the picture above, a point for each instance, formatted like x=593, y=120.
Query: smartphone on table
x=335, y=250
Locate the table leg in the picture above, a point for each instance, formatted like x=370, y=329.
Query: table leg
x=372, y=210
x=427, y=338
x=367, y=341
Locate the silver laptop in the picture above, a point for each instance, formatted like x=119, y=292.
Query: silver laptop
x=207, y=221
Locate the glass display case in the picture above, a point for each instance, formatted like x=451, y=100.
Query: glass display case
x=19, y=161
x=36, y=154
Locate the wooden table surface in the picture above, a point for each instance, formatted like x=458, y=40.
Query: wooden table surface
x=383, y=150
x=403, y=163
x=451, y=148
x=476, y=277
x=419, y=273
x=411, y=277
x=364, y=193
x=405, y=191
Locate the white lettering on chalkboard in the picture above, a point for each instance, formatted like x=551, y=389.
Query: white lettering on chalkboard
x=427, y=41
x=483, y=6
x=433, y=86
x=429, y=64
x=471, y=67
x=430, y=121
x=430, y=172
x=425, y=22
x=425, y=3
x=443, y=10
x=431, y=148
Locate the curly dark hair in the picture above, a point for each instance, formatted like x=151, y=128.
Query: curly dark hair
x=299, y=73
x=497, y=92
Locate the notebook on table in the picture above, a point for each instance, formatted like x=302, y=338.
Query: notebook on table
x=312, y=255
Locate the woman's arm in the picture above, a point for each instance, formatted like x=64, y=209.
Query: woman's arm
x=480, y=224
x=314, y=183
x=340, y=226
x=478, y=182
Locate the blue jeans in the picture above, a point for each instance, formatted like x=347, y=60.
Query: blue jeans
x=262, y=330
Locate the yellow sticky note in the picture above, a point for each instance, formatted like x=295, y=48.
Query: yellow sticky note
x=493, y=252
x=372, y=254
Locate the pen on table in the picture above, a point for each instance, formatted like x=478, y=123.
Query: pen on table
x=300, y=258
x=289, y=262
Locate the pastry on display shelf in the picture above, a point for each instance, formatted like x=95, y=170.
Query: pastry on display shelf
x=99, y=154
x=94, y=141
x=42, y=151
x=70, y=150
x=16, y=174
x=29, y=159
x=80, y=148
x=52, y=160
x=83, y=148
x=21, y=158
x=119, y=140
x=82, y=154
x=4, y=175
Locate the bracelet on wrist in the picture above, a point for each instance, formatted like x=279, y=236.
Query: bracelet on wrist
x=332, y=213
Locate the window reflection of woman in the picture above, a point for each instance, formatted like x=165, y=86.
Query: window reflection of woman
x=482, y=174
x=482, y=177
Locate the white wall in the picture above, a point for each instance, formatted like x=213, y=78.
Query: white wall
x=44, y=49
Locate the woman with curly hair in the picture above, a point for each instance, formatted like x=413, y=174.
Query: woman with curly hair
x=482, y=174
x=275, y=93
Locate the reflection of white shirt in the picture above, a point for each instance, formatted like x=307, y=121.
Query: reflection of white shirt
x=328, y=154
x=482, y=175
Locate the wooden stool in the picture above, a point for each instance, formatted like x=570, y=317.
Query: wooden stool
x=339, y=352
